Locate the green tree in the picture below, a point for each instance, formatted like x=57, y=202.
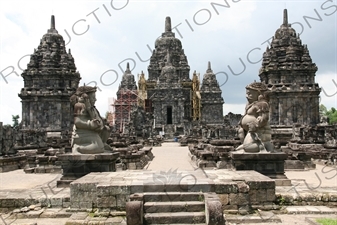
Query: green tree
x=323, y=110
x=331, y=114
x=15, y=120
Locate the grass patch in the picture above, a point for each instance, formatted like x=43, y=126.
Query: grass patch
x=327, y=221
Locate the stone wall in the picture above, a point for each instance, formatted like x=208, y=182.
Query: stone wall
x=42, y=139
x=7, y=139
x=317, y=198
x=12, y=163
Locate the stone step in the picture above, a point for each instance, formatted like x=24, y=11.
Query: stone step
x=182, y=206
x=175, y=218
x=172, y=196
x=193, y=186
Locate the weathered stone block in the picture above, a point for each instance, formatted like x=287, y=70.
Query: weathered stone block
x=239, y=199
x=224, y=199
x=121, y=201
x=214, y=212
x=333, y=198
x=253, y=197
x=134, y=213
x=227, y=188
x=271, y=195
x=86, y=205
x=56, y=202
x=325, y=197
x=7, y=203
x=261, y=195
x=107, y=202
x=255, y=185
x=243, y=187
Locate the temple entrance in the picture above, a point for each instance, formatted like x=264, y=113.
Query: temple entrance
x=169, y=115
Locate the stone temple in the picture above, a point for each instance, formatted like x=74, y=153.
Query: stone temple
x=289, y=72
x=244, y=187
x=126, y=98
x=49, y=81
x=169, y=94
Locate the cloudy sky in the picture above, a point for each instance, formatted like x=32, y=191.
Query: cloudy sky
x=104, y=35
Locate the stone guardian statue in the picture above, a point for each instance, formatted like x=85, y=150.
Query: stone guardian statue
x=255, y=131
x=90, y=132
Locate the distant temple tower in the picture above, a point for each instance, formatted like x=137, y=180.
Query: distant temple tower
x=169, y=95
x=126, y=99
x=211, y=99
x=169, y=88
x=49, y=81
x=289, y=73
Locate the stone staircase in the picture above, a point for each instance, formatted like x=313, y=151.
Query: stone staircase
x=169, y=131
x=174, y=208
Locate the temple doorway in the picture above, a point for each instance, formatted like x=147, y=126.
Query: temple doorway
x=169, y=115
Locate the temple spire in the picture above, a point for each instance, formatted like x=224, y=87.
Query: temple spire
x=127, y=67
x=168, y=27
x=209, y=69
x=52, y=25
x=52, y=22
x=285, y=17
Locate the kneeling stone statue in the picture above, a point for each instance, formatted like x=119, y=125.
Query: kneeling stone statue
x=255, y=131
x=90, y=132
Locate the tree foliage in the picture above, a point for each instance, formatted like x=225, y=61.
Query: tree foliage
x=331, y=114
x=15, y=120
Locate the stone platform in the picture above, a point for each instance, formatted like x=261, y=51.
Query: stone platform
x=269, y=164
x=112, y=190
x=75, y=166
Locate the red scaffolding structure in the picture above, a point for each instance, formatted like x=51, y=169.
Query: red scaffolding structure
x=123, y=105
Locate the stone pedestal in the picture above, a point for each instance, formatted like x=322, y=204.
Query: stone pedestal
x=75, y=166
x=269, y=164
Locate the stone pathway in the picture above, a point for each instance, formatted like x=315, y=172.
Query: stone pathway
x=20, y=180
x=170, y=156
x=322, y=176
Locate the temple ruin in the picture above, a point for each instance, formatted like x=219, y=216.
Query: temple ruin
x=169, y=94
x=49, y=81
x=116, y=182
x=289, y=73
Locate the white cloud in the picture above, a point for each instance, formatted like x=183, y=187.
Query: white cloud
x=234, y=108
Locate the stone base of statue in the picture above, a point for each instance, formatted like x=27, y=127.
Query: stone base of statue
x=75, y=166
x=268, y=164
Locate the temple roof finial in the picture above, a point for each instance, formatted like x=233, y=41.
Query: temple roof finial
x=209, y=69
x=168, y=27
x=127, y=67
x=285, y=17
x=52, y=29
x=52, y=22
